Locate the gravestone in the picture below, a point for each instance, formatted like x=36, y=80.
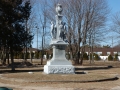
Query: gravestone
x=58, y=64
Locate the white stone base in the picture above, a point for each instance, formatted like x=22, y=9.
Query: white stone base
x=59, y=69
x=59, y=64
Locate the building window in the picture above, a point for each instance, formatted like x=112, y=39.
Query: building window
x=87, y=53
x=108, y=53
x=118, y=53
x=99, y=53
x=115, y=53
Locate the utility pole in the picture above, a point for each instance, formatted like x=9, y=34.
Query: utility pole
x=42, y=51
x=92, y=41
x=37, y=36
x=112, y=41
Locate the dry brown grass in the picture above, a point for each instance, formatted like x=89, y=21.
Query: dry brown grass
x=21, y=79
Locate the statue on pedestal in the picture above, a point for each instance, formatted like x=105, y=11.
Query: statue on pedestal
x=58, y=64
x=53, y=31
x=58, y=31
x=62, y=31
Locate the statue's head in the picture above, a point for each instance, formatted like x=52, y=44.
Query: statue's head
x=59, y=9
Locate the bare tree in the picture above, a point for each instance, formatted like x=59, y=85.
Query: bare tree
x=41, y=21
x=84, y=18
x=116, y=21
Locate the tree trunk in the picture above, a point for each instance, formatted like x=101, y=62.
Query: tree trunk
x=81, y=58
x=31, y=56
x=82, y=53
x=25, y=54
x=3, y=59
x=77, y=58
x=12, y=60
x=42, y=57
x=8, y=58
x=81, y=61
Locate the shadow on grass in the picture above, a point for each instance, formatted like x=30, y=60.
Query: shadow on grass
x=93, y=68
x=80, y=72
x=20, y=71
x=78, y=69
x=86, y=81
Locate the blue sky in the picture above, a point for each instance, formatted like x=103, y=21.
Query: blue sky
x=114, y=6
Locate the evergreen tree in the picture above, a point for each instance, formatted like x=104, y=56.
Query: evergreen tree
x=85, y=56
x=13, y=35
x=110, y=58
x=37, y=55
x=96, y=57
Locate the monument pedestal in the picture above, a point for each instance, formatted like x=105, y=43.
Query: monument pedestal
x=59, y=69
x=59, y=64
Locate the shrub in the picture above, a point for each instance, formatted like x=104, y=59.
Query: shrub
x=32, y=55
x=21, y=55
x=85, y=56
x=116, y=57
x=96, y=57
x=15, y=56
x=28, y=55
x=110, y=58
x=37, y=55
x=40, y=54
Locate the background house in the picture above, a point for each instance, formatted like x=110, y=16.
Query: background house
x=105, y=52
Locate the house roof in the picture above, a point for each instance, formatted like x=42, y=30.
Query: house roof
x=105, y=49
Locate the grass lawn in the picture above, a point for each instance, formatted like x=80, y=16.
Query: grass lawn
x=96, y=78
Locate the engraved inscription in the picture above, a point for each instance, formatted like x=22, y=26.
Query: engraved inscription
x=65, y=70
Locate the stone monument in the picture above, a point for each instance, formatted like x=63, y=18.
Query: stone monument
x=58, y=64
